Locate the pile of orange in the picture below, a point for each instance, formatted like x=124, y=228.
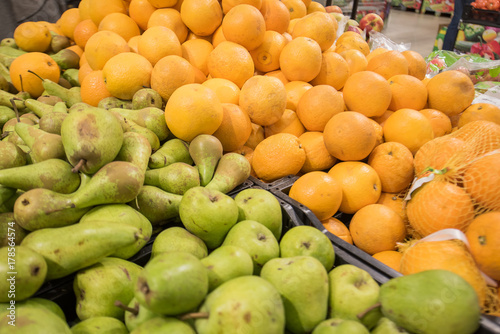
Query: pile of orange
x=276, y=81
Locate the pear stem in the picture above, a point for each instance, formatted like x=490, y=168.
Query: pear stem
x=30, y=71
x=365, y=312
x=79, y=165
x=134, y=311
x=21, y=82
x=137, y=203
x=15, y=109
x=194, y=315
x=5, y=134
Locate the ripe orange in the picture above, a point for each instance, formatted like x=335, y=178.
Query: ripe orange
x=360, y=185
x=83, y=8
x=408, y=127
x=41, y=64
x=170, y=73
x=235, y=128
x=395, y=202
x=319, y=192
x=120, y=23
x=352, y=42
x=450, y=92
x=390, y=258
x=245, y=25
x=121, y=76
x=336, y=227
x=266, y=56
x=93, y=88
x=196, y=51
x=278, y=156
x=140, y=11
x=133, y=44
x=227, y=5
x=388, y=64
x=276, y=15
x=163, y=3
x=381, y=119
x=83, y=31
x=83, y=71
x=256, y=136
x=318, y=26
x=480, y=111
x=230, y=61
x=417, y=66
x=375, y=52
x=441, y=124
x=315, y=7
x=407, y=92
x=482, y=181
x=294, y=91
x=376, y=228
x=393, y=162
x=191, y=110
x=318, y=105
x=158, y=42
x=334, y=71
x=68, y=21
x=218, y=37
x=379, y=132
x=483, y=235
x=437, y=154
x=297, y=8
x=263, y=99
x=349, y=135
x=278, y=74
x=375, y=90
x=32, y=37
x=356, y=60
x=169, y=18
x=202, y=17
x=438, y=205
x=103, y=45
x=288, y=123
x=317, y=156
x=301, y=59
x=226, y=90
x=98, y=9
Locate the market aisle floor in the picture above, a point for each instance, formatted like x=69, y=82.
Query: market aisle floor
x=418, y=29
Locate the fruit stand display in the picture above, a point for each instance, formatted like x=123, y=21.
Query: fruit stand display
x=243, y=166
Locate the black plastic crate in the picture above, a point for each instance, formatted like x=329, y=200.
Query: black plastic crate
x=481, y=16
x=267, y=186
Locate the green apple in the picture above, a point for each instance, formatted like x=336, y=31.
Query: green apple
x=340, y=326
x=262, y=206
x=256, y=239
x=308, y=240
x=178, y=239
x=209, y=214
x=353, y=291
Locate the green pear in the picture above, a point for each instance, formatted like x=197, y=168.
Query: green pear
x=10, y=232
x=256, y=239
x=9, y=41
x=11, y=123
x=232, y=170
x=136, y=314
x=91, y=138
x=157, y=205
x=172, y=283
x=124, y=214
x=77, y=107
x=262, y=206
x=52, y=174
x=51, y=100
x=70, y=248
x=71, y=74
x=308, y=240
x=352, y=291
x=8, y=197
x=43, y=145
x=11, y=51
x=173, y=150
x=176, y=178
x=103, y=325
x=151, y=118
x=302, y=282
x=52, y=122
x=209, y=214
x=340, y=326
x=129, y=125
x=69, y=96
x=30, y=116
x=6, y=97
x=146, y=97
x=6, y=114
x=11, y=155
x=206, y=151
x=99, y=286
x=38, y=302
x=226, y=263
x=245, y=304
x=387, y=326
x=33, y=320
x=58, y=43
x=42, y=109
x=431, y=301
x=114, y=102
x=22, y=272
x=160, y=325
x=135, y=149
x=65, y=58
x=178, y=239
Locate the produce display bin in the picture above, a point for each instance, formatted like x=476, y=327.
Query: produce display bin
x=480, y=16
x=379, y=271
